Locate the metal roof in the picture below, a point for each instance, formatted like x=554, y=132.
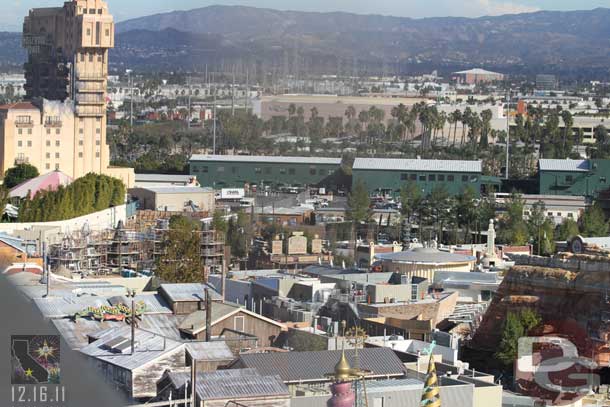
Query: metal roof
x=149, y=347
x=188, y=292
x=314, y=366
x=60, y=307
x=477, y=71
x=546, y=164
x=266, y=159
x=195, y=322
x=76, y=333
x=162, y=178
x=153, y=303
x=163, y=324
x=238, y=386
x=425, y=255
x=401, y=164
x=177, y=190
x=215, y=350
x=12, y=241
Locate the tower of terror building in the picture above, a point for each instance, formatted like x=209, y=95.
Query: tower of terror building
x=63, y=124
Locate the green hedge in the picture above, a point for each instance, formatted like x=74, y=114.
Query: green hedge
x=88, y=194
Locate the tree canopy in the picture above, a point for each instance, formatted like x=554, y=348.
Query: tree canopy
x=18, y=174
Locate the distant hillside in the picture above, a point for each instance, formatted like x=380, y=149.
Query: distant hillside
x=548, y=40
x=572, y=44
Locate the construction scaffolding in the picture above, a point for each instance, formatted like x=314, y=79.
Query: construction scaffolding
x=127, y=251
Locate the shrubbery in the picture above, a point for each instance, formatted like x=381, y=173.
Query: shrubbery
x=88, y=194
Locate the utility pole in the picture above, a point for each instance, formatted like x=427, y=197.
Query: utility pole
x=508, y=97
x=46, y=268
x=214, y=125
x=132, y=294
x=188, y=114
x=130, y=83
x=233, y=94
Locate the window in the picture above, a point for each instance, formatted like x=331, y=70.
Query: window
x=20, y=143
x=57, y=143
x=80, y=154
x=422, y=178
x=91, y=57
x=204, y=169
x=29, y=143
x=464, y=178
x=234, y=170
x=48, y=155
x=81, y=131
x=432, y=177
x=48, y=143
x=30, y=131
x=450, y=178
x=56, y=155
x=549, y=214
x=569, y=179
x=98, y=119
x=97, y=142
x=57, y=167
x=24, y=120
x=312, y=171
x=195, y=169
x=602, y=180
x=257, y=171
x=82, y=57
x=474, y=178
x=107, y=32
x=413, y=177
x=239, y=324
x=57, y=131
x=559, y=214
x=283, y=171
x=99, y=11
x=220, y=169
x=291, y=171
x=404, y=177
x=48, y=131
x=99, y=58
x=570, y=215
x=441, y=177
x=47, y=166
x=84, y=10
x=97, y=154
x=20, y=131
x=91, y=11
x=89, y=33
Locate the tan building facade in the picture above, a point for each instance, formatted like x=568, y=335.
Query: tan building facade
x=64, y=127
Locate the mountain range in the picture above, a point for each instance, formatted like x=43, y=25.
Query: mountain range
x=571, y=43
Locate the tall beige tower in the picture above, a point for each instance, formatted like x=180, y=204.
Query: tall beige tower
x=68, y=62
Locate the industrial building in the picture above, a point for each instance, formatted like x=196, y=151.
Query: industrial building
x=573, y=177
x=221, y=171
x=477, y=75
x=390, y=175
x=175, y=198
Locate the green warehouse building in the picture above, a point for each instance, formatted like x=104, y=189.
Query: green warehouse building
x=573, y=177
x=388, y=176
x=235, y=171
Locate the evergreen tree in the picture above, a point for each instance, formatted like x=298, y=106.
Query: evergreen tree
x=593, y=222
x=181, y=260
x=18, y=174
x=567, y=230
x=516, y=325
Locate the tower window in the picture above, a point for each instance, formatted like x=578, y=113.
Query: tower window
x=88, y=31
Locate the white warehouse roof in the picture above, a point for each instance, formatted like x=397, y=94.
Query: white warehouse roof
x=397, y=164
x=266, y=159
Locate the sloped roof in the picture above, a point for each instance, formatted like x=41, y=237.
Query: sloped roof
x=315, y=366
x=19, y=106
x=425, y=255
x=12, y=241
x=46, y=182
x=239, y=386
x=188, y=292
x=266, y=159
x=149, y=347
x=216, y=350
x=195, y=322
x=477, y=71
x=400, y=164
x=547, y=164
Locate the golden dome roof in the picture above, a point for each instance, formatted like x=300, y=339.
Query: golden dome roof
x=343, y=369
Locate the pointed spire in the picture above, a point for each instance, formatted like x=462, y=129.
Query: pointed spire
x=431, y=396
x=342, y=369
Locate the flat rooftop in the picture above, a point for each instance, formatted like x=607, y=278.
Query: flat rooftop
x=398, y=164
x=266, y=159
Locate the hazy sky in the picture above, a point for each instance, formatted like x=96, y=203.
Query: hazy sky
x=14, y=10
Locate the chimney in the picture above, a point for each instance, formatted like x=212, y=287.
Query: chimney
x=208, y=315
